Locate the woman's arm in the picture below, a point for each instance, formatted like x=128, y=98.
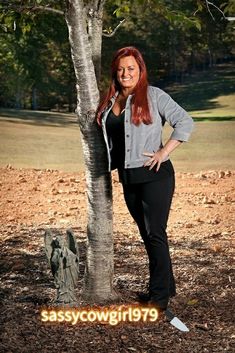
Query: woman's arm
x=176, y=116
x=158, y=157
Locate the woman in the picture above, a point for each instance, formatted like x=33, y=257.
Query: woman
x=132, y=116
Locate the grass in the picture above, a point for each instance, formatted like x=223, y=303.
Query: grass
x=52, y=140
x=40, y=140
x=54, y=143
x=211, y=147
x=224, y=110
x=208, y=95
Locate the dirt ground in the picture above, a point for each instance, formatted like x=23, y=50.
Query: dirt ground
x=200, y=231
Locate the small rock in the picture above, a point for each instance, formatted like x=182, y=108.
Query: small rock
x=23, y=180
x=216, y=220
x=13, y=275
x=61, y=180
x=208, y=201
x=221, y=174
x=55, y=191
x=216, y=248
x=124, y=338
x=202, y=175
x=228, y=173
x=224, y=233
x=10, y=218
x=64, y=221
x=25, y=289
x=226, y=198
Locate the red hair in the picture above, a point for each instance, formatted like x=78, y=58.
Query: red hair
x=140, y=107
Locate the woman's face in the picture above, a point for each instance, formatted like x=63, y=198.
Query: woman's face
x=128, y=72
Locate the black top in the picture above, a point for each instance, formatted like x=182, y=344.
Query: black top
x=116, y=135
x=115, y=132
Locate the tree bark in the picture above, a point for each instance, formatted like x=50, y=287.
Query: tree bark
x=95, y=28
x=98, y=285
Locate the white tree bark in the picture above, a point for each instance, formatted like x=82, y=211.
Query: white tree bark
x=98, y=285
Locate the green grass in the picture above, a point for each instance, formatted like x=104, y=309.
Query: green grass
x=224, y=110
x=208, y=95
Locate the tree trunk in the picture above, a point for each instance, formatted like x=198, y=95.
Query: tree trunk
x=98, y=285
x=18, y=95
x=210, y=58
x=95, y=27
x=34, y=105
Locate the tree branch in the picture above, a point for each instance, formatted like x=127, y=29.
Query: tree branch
x=208, y=8
x=212, y=4
x=50, y=9
x=115, y=29
x=32, y=8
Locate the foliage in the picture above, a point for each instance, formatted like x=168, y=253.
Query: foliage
x=38, y=60
x=176, y=39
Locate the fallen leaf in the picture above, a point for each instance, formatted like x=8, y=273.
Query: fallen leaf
x=192, y=302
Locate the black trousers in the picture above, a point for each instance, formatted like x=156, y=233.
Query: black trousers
x=149, y=204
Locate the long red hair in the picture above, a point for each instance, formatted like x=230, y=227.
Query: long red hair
x=140, y=107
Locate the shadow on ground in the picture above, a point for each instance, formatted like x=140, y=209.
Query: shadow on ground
x=38, y=118
x=198, y=91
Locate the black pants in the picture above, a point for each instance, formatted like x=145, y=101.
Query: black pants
x=149, y=204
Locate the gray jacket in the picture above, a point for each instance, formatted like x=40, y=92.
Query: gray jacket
x=148, y=138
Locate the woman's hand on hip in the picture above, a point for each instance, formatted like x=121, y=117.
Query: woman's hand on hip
x=156, y=159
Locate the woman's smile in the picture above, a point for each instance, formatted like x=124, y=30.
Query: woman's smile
x=128, y=73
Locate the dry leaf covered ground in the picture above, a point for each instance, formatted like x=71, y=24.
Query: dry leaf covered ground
x=200, y=230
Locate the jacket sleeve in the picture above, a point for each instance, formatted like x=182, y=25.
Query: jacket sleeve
x=176, y=116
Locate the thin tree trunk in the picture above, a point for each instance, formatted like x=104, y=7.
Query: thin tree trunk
x=34, y=105
x=210, y=58
x=95, y=27
x=18, y=96
x=98, y=285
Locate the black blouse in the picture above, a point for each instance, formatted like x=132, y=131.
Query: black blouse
x=115, y=131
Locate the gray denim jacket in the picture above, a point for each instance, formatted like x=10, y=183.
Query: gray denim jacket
x=148, y=138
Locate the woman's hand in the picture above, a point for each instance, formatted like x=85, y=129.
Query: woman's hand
x=156, y=158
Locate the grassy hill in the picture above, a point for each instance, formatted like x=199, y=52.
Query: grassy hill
x=208, y=95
